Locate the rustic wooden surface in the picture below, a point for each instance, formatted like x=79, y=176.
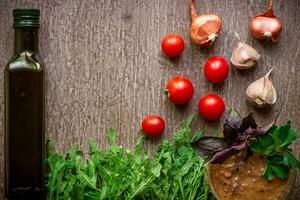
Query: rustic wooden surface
x=105, y=69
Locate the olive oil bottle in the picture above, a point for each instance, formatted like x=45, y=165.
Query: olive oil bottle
x=24, y=112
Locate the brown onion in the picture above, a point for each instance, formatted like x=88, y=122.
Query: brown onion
x=204, y=28
x=266, y=25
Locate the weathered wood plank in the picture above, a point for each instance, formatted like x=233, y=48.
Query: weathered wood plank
x=105, y=69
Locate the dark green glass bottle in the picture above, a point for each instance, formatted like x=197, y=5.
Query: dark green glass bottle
x=24, y=112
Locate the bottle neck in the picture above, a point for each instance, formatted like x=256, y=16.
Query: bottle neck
x=26, y=39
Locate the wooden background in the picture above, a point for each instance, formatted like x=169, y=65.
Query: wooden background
x=105, y=68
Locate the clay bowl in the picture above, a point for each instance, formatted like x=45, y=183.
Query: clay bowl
x=285, y=188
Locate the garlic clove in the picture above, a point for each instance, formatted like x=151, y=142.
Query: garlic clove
x=244, y=56
x=262, y=93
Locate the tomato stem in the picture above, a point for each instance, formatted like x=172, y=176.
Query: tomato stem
x=166, y=91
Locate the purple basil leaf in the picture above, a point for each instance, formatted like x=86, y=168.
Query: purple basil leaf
x=205, y=154
x=206, y=146
x=209, y=142
x=240, y=146
x=221, y=155
x=237, y=132
x=264, y=129
x=248, y=122
x=230, y=130
x=231, y=126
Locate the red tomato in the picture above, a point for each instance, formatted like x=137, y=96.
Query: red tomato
x=216, y=69
x=211, y=106
x=153, y=126
x=180, y=90
x=172, y=45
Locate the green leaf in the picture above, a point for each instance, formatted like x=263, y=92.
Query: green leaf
x=92, y=195
x=290, y=160
x=275, y=134
x=93, y=146
x=112, y=137
x=268, y=172
x=256, y=147
x=182, y=137
x=281, y=171
x=287, y=135
x=274, y=146
x=189, y=121
x=156, y=170
x=197, y=136
x=266, y=141
x=270, y=150
x=89, y=181
x=276, y=160
x=263, y=145
x=138, y=148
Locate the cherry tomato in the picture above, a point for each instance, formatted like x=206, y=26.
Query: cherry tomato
x=211, y=106
x=216, y=69
x=153, y=126
x=180, y=90
x=172, y=45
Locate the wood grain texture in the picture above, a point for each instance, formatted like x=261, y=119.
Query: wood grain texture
x=105, y=69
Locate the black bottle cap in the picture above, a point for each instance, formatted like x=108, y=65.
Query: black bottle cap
x=26, y=18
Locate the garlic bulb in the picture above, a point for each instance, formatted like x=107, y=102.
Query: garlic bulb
x=243, y=55
x=262, y=92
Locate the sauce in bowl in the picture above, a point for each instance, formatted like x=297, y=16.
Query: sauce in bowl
x=241, y=179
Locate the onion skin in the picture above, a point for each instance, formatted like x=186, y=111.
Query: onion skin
x=266, y=26
x=204, y=28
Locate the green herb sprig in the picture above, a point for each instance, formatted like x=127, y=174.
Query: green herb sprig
x=275, y=147
x=174, y=171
